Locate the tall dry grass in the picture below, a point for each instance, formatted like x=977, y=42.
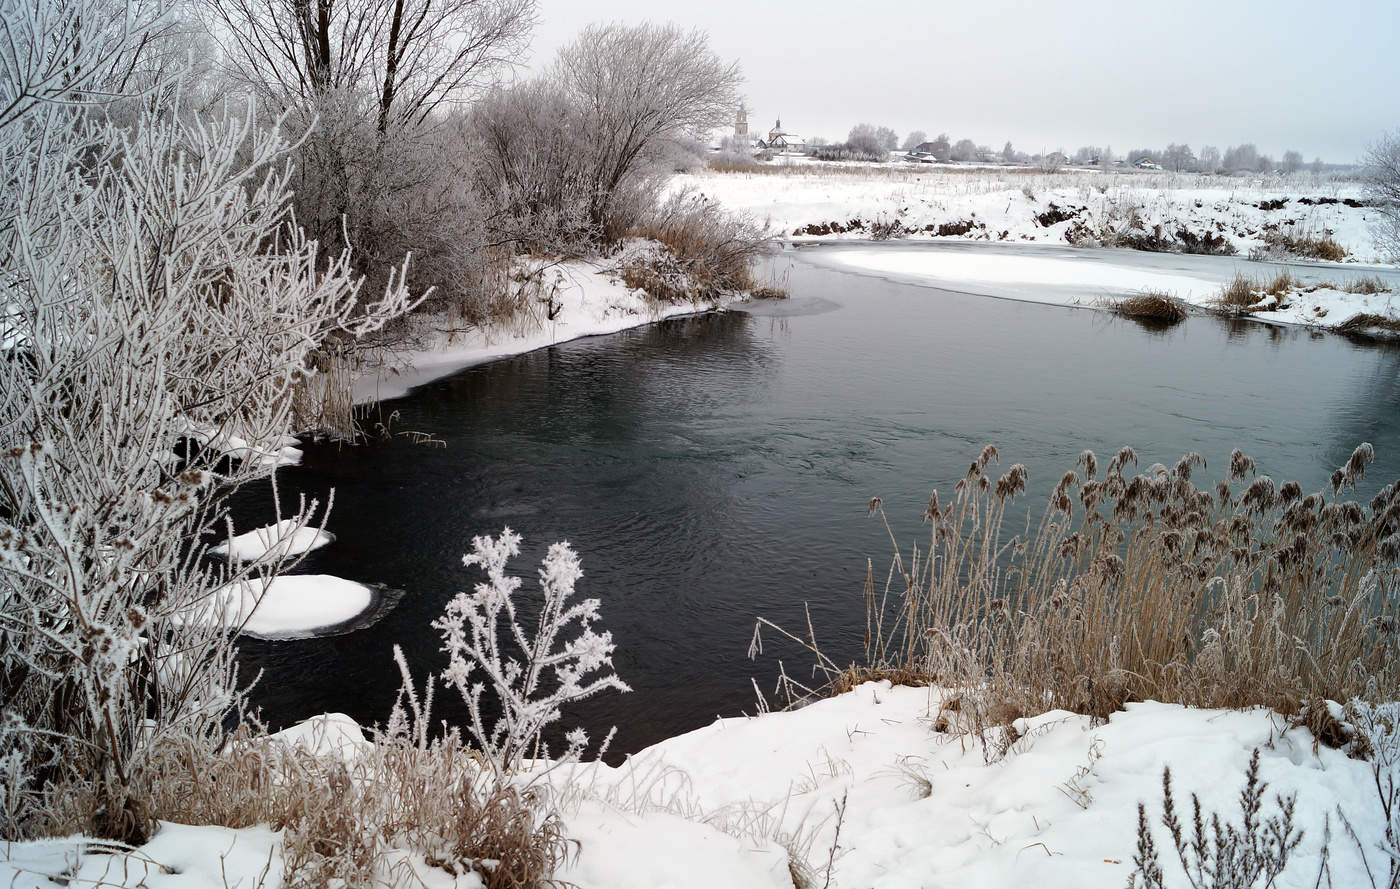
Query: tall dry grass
x=1140, y=586
x=358, y=816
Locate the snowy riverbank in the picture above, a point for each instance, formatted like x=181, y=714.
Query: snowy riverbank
x=865, y=786
x=581, y=298
x=1317, y=294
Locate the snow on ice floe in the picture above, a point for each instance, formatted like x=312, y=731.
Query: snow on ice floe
x=273, y=542
x=291, y=605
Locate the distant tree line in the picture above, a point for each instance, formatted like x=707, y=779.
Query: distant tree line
x=869, y=142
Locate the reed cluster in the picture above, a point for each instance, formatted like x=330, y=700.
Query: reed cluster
x=1136, y=586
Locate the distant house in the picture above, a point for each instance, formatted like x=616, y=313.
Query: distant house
x=778, y=139
x=1146, y=163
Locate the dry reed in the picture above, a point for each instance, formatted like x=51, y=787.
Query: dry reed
x=1139, y=586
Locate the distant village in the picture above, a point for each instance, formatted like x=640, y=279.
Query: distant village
x=881, y=144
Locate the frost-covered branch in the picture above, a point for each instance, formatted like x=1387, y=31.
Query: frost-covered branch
x=531, y=676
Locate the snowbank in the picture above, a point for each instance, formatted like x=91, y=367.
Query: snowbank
x=864, y=784
x=917, y=808
x=290, y=605
x=1063, y=276
x=272, y=542
x=588, y=298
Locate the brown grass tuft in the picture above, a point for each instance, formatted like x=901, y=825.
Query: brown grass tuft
x=345, y=817
x=1368, y=286
x=711, y=251
x=1154, y=305
x=1239, y=294
x=1323, y=247
x=1367, y=322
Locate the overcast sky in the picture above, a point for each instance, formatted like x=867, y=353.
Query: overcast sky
x=1322, y=77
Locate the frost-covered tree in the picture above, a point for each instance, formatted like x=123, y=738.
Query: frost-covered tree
x=634, y=91
x=1178, y=157
x=1241, y=157
x=156, y=293
x=914, y=139
x=887, y=138
x=1209, y=161
x=1292, y=161
x=965, y=150
x=1383, y=189
x=408, y=58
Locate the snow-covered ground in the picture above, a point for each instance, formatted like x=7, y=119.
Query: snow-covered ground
x=1020, y=204
x=589, y=299
x=1074, y=277
x=864, y=786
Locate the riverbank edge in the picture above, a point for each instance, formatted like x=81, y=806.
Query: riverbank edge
x=588, y=299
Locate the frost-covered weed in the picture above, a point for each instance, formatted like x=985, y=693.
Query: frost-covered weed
x=531, y=676
x=1215, y=853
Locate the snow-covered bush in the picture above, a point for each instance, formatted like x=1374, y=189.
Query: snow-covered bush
x=156, y=292
x=531, y=676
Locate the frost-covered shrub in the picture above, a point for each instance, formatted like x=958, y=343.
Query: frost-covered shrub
x=531, y=676
x=156, y=291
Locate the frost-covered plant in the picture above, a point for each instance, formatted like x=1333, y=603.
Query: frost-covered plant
x=1223, y=855
x=531, y=675
x=1377, y=737
x=155, y=290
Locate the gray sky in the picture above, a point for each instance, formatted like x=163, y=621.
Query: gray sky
x=1317, y=76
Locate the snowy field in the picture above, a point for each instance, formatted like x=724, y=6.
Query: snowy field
x=1022, y=204
x=861, y=790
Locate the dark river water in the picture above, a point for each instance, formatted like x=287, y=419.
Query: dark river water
x=716, y=468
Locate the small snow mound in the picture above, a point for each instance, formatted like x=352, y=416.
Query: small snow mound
x=273, y=542
x=622, y=851
x=292, y=605
x=326, y=735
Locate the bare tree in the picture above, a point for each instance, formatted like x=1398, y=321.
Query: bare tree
x=636, y=89
x=1241, y=157
x=1292, y=161
x=412, y=56
x=1383, y=189
x=914, y=139
x=887, y=138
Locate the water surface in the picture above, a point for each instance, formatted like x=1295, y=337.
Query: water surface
x=715, y=468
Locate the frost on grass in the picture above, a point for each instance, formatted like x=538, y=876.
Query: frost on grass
x=531, y=675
